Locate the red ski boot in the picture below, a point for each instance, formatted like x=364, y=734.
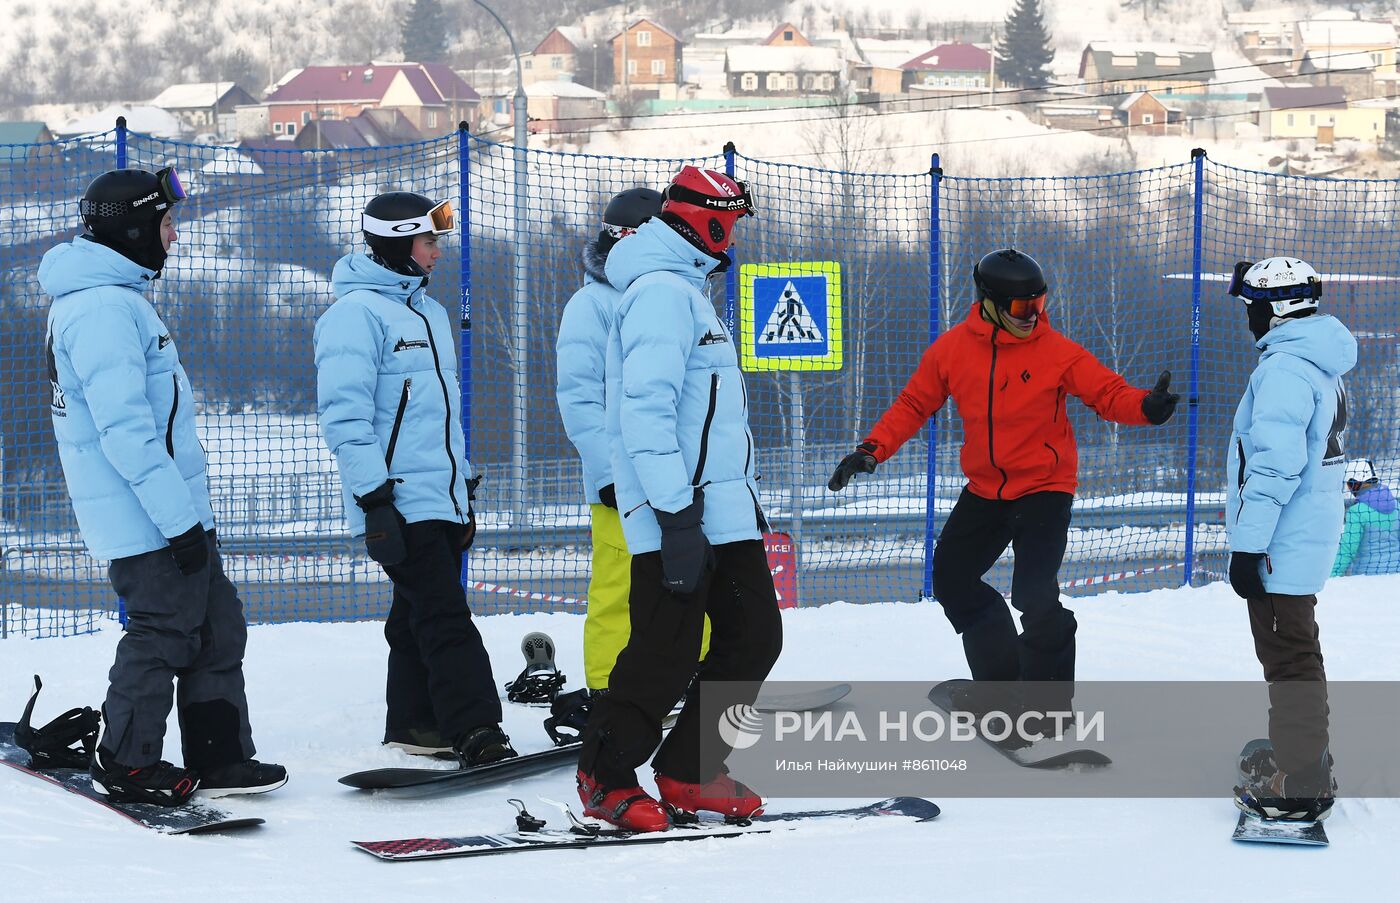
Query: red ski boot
x=630, y=808
x=721, y=794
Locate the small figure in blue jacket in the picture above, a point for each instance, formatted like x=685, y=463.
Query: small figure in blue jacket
x=1284, y=519
x=123, y=414
x=683, y=468
x=389, y=402
x=1370, y=541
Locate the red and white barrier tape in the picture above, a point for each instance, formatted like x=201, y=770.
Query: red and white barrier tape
x=1123, y=575
x=522, y=594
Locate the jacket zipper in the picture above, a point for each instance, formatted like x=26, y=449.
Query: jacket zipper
x=748, y=436
x=1239, y=509
x=705, y=431
x=170, y=424
x=1059, y=396
x=991, y=396
x=446, y=408
x=398, y=421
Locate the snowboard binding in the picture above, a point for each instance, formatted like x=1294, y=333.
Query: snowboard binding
x=568, y=715
x=540, y=681
x=67, y=741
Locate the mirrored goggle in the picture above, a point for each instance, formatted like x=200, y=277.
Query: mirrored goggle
x=170, y=187
x=438, y=221
x=1025, y=308
x=618, y=232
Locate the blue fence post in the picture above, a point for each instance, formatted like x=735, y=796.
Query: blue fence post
x=121, y=142
x=935, y=249
x=464, y=299
x=731, y=276
x=1198, y=159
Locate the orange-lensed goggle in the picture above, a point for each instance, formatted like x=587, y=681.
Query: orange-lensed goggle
x=1025, y=308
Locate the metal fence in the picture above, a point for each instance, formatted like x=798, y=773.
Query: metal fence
x=1135, y=262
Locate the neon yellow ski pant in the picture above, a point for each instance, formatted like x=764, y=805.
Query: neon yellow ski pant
x=608, y=623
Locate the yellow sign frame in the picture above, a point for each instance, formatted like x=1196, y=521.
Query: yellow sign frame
x=749, y=274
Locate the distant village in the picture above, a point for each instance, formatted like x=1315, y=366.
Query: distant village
x=1328, y=78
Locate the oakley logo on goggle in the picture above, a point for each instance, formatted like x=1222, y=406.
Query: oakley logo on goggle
x=406, y=227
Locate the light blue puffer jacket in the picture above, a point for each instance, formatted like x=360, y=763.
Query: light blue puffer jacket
x=388, y=396
x=581, y=355
x=677, y=409
x=122, y=408
x=1286, y=455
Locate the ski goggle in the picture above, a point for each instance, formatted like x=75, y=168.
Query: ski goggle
x=619, y=232
x=169, y=183
x=1312, y=289
x=1025, y=308
x=438, y=221
x=741, y=205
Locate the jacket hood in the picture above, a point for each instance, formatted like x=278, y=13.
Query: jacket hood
x=594, y=260
x=357, y=272
x=1379, y=498
x=82, y=264
x=1321, y=340
x=656, y=248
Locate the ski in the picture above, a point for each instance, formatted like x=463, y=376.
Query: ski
x=1255, y=828
x=942, y=696
x=194, y=817
x=584, y=836
x=529, y=764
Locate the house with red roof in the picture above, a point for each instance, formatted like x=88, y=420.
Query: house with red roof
x=949, y=68
x=432, y=96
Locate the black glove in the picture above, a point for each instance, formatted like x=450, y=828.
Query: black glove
x=1159, y=404
x=469, y=530
x=608, y=496
x=686, y=555
x=1245, y=578
x=862, y=460
x=384, y=525
x=191, y=550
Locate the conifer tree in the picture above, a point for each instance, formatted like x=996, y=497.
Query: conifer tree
x=1024, y=54
x=425, y=32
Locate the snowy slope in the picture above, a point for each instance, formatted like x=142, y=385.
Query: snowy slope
x=316, y=692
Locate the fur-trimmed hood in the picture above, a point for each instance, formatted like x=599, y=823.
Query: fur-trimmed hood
x=594, y=260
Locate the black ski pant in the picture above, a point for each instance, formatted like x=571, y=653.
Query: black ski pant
x=662, y=657
x=439, y=674
x=1286, y=642
x=184, y=641
x=977, y=531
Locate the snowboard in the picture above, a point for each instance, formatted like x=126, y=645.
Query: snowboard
x=585, y=836
x=194, y=817
x=1255, y=828
x=529, y=764
x=1027, y=757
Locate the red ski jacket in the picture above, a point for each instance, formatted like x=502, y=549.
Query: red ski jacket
x=1010, y=394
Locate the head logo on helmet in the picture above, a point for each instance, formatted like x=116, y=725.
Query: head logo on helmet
x=703, y=205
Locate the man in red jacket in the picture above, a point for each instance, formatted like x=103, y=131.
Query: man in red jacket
x=1008, y=370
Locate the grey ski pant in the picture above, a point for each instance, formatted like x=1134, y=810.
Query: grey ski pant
x=184, y=638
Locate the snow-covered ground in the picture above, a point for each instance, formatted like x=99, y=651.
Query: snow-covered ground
x=316, y=692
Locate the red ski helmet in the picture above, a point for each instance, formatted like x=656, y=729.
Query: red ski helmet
x=708, y=202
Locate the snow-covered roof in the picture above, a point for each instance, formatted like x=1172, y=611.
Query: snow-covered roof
x=192, y=96
x=892, y=54
x=230, y=162
x=783, y=59
x=1321, y=61
x=562, y=88
x=145, y=119
x=1317, y=33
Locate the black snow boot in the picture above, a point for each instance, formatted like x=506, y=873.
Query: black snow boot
x=248, y=776
x=484, y=745
x=161, y=783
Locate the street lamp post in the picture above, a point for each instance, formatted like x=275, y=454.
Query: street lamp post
x=520, y=320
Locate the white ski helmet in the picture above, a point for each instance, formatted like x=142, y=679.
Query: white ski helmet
x=1287, y=284
x=1361, y=470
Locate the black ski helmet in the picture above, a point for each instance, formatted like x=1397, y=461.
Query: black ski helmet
x=624, y=213
x=1007, y=274
x=392, y=219
x=122, y=210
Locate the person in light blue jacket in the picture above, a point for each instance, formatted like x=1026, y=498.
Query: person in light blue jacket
x=389, y=402
x=1283, y=517
x=683, y=467
x=123, y=414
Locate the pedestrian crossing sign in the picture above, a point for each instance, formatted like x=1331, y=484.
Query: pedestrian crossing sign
x=790, y=316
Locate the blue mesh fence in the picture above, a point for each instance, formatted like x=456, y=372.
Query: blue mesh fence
x=263, y=228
